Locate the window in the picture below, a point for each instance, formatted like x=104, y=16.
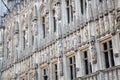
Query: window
x=43, y=25
x=108, y=54
x=83, y=6
x=32, y=39
x=45, y=76
x=69, y=9
x=100, y=0
x=54, y=20
x=23, y=39
x=87, y=64
x=72, y=67
x=55, y=72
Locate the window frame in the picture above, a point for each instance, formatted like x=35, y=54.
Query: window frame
x=108, y=52
x=73, y=65
x=44, y=74
x=55, y=71
x=43, y=26
x=83, y=6
x=89, y=66
x=69, y=11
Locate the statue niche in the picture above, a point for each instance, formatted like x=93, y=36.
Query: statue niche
x=58, y=11
x=94, y=54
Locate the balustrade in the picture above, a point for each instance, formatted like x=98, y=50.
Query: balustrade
x=107, y=74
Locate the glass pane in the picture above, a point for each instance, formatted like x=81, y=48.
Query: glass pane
x=68, y=17
x=55, y=66
x=112, y=58
x=71, y=72
x=86, y=67
x=105, y=46
x=110, y=44
x=85, y=54
x=45, y=78
x=44, y=71
x=82, y=9
x=70, y=60
x=56, y=77
x=106, y=60
x=74, y=59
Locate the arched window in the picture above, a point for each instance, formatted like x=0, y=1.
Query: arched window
x=53, y=12
x=45, y=20
x=69, y=9
x=83, y=6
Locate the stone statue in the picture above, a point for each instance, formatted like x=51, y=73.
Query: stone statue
x=35, y=29
x=26, y=37
x=75, y=40
x=97, y=28
x=94, y=54
x=58, y=12
x=106, y=22
x=47, y=24
x=102, y=28
x=73, y=5
x=59, y=47
x=65, y=45
x=16, y=40
x=68, y=43
x=78, y=37
x=85, y=34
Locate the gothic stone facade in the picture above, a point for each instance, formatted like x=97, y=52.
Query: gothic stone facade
x=62, y=40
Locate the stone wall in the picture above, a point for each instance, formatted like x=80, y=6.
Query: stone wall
x=32, y=45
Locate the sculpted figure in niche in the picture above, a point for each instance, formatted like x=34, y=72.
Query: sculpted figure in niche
x=59, y=47
x=112, y=21
x=94, y=54
x=47, y=24
x=102, y=28
x=26, y=37
x=97, y=28
x=35, y=29
x=85, y=34
x=68, y=43
x=65, y=44
x=58, y=12
x=75, y=40
x=106, y=23
x=9, y=49
x=16, y=40
x=79, y=38
x=73, y=5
